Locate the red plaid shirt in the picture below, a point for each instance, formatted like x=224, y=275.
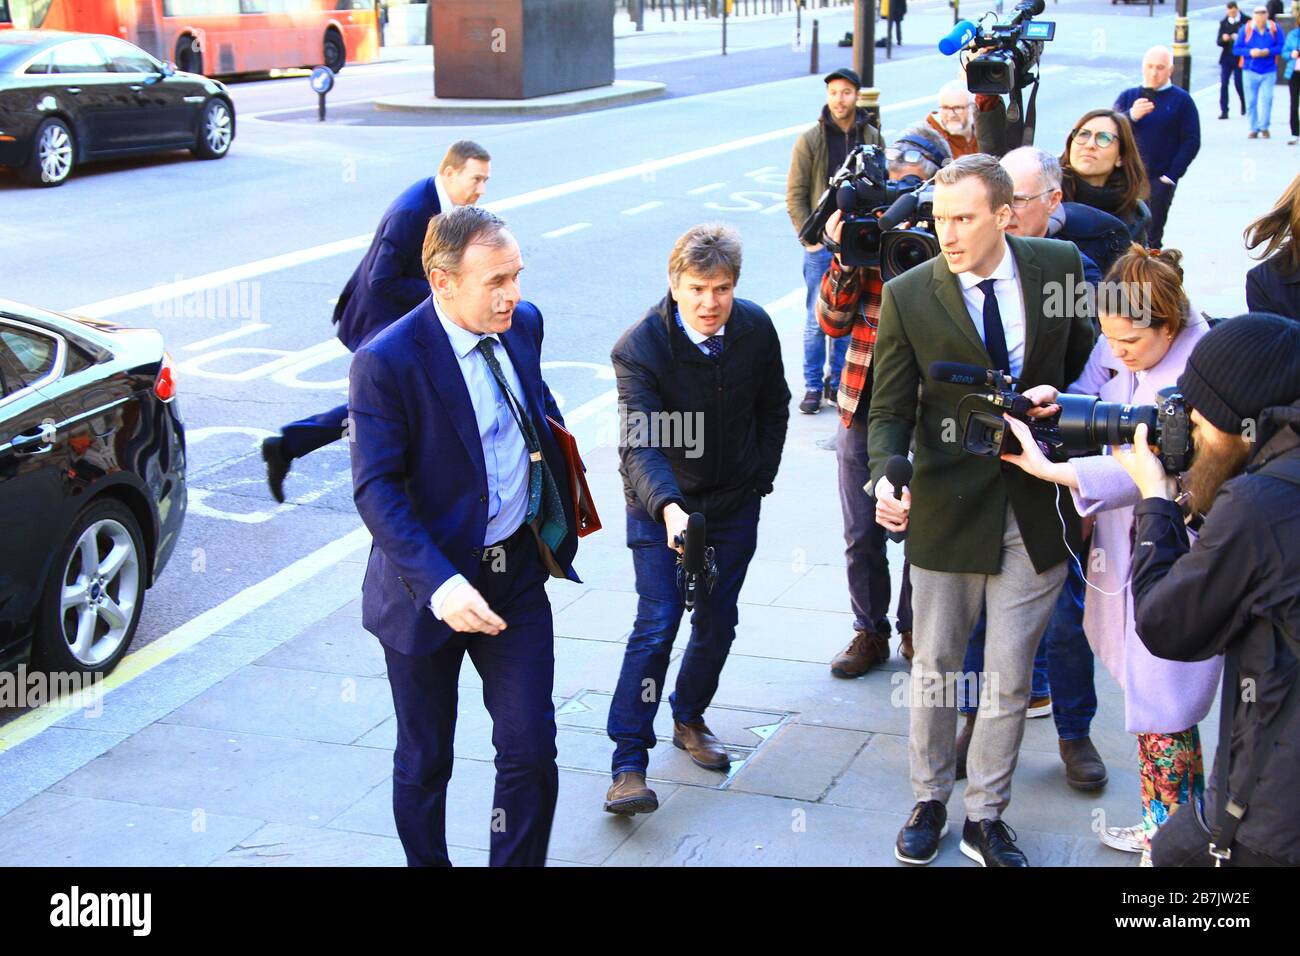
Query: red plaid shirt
x=850, y=302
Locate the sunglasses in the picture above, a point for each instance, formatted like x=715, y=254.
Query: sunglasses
x=1102, y=139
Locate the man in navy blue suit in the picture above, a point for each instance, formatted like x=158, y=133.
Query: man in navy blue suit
x=389, y=282
x=455, y=473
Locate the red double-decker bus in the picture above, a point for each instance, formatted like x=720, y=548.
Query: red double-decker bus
x=218, y=37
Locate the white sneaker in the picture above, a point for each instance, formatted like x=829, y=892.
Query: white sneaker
x=1126, y=839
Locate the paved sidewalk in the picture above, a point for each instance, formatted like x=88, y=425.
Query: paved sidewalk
x=270, y=742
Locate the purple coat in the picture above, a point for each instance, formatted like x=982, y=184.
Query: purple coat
x=1160, y=697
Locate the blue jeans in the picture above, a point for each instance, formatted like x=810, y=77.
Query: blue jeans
x=658, y=614
x=1259, y=98
x=815, y=265
x=1063, y=662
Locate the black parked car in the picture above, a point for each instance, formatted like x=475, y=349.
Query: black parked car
x=68, y=98
x=92, y=485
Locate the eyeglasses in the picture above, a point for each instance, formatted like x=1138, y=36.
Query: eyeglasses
x=908, y=155
x=1102, y=139
x=954, y=109
x=1020, y=202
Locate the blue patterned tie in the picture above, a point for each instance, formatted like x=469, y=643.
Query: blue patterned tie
x=714, y=345
x=543, y=494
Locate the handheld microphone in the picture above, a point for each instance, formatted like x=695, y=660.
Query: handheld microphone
x=696, y=560
x=959, y=373
x=899, y=472
x=693, y=550
x=961, y=34
x=902, y=210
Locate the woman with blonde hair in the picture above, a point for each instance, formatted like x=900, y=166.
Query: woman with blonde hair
x=1148, y=331
x=1274, y=284
x=1101, y=167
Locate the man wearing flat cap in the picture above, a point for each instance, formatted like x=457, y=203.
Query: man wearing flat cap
x=818, y=153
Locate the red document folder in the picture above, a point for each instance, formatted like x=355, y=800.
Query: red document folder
x=584, y=507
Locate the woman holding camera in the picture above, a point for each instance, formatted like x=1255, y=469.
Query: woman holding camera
x=1148, y=332
x=1101, y=167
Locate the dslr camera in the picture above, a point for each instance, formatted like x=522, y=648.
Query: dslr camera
x=873, y=210
x=1084, y=425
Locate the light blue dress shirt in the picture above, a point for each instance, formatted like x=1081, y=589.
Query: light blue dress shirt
x=505, y=454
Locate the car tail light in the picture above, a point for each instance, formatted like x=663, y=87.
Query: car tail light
x=164, y=385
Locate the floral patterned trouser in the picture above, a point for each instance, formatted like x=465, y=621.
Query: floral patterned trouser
x=1172, y=775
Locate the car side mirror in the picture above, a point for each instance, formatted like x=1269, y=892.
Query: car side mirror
x=168, y=68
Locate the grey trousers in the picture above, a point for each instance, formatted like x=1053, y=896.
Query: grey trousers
x=945, y=609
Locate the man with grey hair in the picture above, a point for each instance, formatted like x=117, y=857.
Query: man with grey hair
x=917, y=151
x=457, y=476
x=1167, y=128
x=954, y=120
x=1037, y=211
x=705, y=407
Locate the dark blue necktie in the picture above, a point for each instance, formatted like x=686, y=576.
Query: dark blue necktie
x=995, y=339
x=714, y=345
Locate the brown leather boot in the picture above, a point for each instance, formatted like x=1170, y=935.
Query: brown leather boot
x=964, y=733
x=865, y=651
x=905, y=645
x=628, y=794
x=698, y=741
x=1084, y=769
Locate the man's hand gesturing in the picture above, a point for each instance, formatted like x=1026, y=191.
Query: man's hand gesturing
x=465, y=610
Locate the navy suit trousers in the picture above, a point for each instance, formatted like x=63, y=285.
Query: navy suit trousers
x=517, y=668
x=307, y=434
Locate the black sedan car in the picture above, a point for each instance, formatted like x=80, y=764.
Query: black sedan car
x=92, y=485
x=69, y=98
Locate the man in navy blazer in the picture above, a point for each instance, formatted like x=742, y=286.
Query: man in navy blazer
x=454, y=472
x=388, y=283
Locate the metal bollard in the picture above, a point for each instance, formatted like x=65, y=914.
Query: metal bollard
x=812, y=67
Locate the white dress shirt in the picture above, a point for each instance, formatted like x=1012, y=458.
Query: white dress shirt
x=1011, y=305
x=444, y=201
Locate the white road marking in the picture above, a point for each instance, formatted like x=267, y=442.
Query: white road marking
x=246, y=329
x=700, y=190
x=644, y=207
x=566, y=230
x=288, y=260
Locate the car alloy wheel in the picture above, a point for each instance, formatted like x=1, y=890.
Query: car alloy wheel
x=216, y=128
x=55, y=151
x=101, y=585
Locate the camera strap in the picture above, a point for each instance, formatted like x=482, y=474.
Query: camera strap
x=1020, y=130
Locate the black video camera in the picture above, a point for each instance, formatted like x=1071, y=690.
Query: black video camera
x=1007, y=54
x=872, y=210
x=1084, y=425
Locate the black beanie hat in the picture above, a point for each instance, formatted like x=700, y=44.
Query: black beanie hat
x=1241, y=367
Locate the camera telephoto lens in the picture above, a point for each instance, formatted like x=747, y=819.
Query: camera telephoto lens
x=1087, y=423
